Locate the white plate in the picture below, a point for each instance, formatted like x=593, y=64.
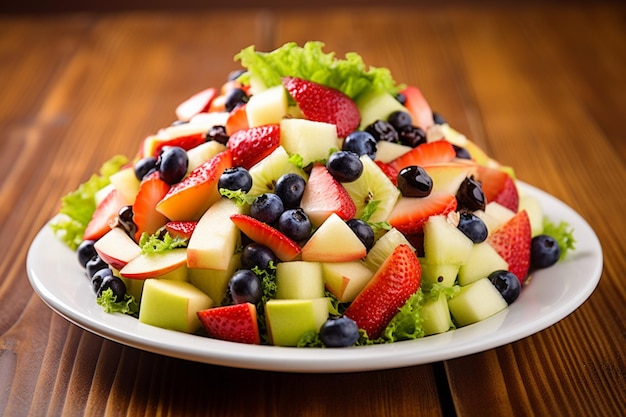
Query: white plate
x=552, y=294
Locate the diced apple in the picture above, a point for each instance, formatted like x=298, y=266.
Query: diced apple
x=476, y=302
x=483, y=260
x=299, y=280
x=214, y=282
x=116, y=248
x=388, y=151
x=535, y=213
x=333, y=241
x=383, y=247
x=126, y=183
x=288, y=320
x=345, y=280
x=202, y=153
x=267, y=107
x=309, y=139
x=156, y=265
x=436, y=315
x=215, y=237
x=499, y=214
x=172, y=305
x=449, y=176
x=444, y=243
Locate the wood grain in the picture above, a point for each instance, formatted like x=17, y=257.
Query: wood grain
x=541, y=87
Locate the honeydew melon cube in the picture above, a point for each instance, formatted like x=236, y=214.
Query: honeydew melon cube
x=126, y=183
x=376, y=105
x=134, y=287
x=535, y=213
x=288, y=320
x=476, y=302
x=309, y=139
x=483, y=260
x=214, y=282
x=383, y=247
x=498, y=213
x=172, y=305
x=436, y=315
x=444, y=274
x=444, y=243
x=267, y=107
x=299, y=280
x=202, y=153
x=345, y=280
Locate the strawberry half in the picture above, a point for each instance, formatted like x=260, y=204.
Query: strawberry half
x=418, y=107
x=512, y=242
x=324, y=195
x=198, y=103
x=498, y=186
x=425, y=154
x=410, y=214
x=283, y=247
x=181, y=229
x=324, y=104
x=395, y=281
x=151, y=190
x=234, y=323
x=389, y=171
x=250, y=146
x=186, y=142
x=104, y=216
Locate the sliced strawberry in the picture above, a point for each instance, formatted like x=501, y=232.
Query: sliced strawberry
x=252, y=145
x=198, y=103
x=324, y=195
x=151, y=190
x=237, y=120
x=389, y=171
x=418, y=107
x=512, y=242
x=283, y=247
x=395, y=281
x=324, y=104
x=186, y=142
x=425, y=154
x=104, y=216
x=182, y=230
x=498, y=186
x=410, y=214
x=234, y=323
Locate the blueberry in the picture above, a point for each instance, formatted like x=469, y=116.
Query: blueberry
x=125, y=220
x=361, y=143
x=115, y=284
x=245, y=287
x=218, y=134
x=364, y=232
x=412, y=136
x=295, y=224
x=98, y=278
x=344, y=166
x=472, y=226
x=339, y=332
x=259, y=255
x=172, y=163
x=507, y=284
x=267, y=208
x=470, y=195
x=234, y=98
x=382, y=131
x=400, y=119
x=544, y=252
x=144, y=167
x=234, y=179
x=414, y=181
x=438, y=119
x=461, y=152
x=401, y=98
x=94, y=265
x=290, y=187
x=85, y=252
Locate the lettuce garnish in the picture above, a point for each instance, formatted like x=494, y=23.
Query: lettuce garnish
x=240, y=198
x=78, y=206
x=309, y=62
x=109, y=302
x=160, y=242
x=563, y=233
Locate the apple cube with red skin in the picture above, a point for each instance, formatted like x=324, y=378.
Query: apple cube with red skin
x=116, y=248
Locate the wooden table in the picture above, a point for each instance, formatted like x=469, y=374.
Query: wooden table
x=540, y=87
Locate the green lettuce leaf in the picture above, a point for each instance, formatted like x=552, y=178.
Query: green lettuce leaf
x=309, y=62
x=160, y=242
x=110, y=304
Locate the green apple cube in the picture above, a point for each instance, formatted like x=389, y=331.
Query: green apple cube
x=436, y=315
x=267, y=107
x=134, y=287
x=172, y=304
x=215, y=237
x=444, y=243
x=299, y=280
x=535, y=213
x=475, y=302
x=376, y=105
x=383, y=247
x=483, y=260
x=311, y=140
x=214, y=282
x=444, y=274
x=345, y=280
x=288, y=320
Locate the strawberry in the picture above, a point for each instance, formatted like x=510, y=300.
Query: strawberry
x=198, y=103
x=151, y=190
x=249, y=146
x=512, y=241
x=182, y=230
x=324, y=104
x=104, y=216
x=395, y=281
x=283, y=247
x=418, y=107
x=324, y=195
x=410, y=214
x=389, y=171
x=237, y=120
x=498, y=186
x=186, y=142
x=425, y=154
x=234, y=323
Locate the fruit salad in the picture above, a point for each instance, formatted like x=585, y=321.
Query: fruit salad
x=308, y=201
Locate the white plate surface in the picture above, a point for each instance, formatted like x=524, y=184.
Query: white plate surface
x=551, y=295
